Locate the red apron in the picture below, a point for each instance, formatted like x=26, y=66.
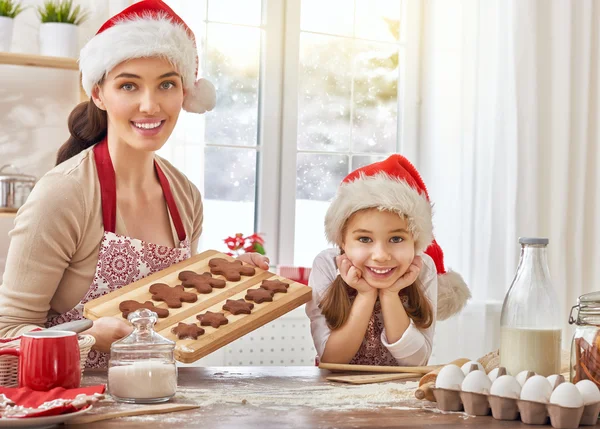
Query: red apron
x=123, y=260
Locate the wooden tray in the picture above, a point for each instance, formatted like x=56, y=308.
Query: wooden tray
x=188, y=350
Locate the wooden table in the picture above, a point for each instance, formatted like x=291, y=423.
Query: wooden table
x=237, y=397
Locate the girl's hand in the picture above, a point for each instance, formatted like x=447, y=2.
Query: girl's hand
x=255, y=259
x=107, y=330
x=353, y=276
x=408, y=278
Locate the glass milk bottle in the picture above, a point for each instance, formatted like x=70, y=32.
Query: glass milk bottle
x=142, y=368
x=530, y=337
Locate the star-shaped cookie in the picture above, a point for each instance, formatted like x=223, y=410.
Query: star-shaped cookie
x=259, y=295
x=275, y=286
x=212, y=319
x=238, y=306
x=187, y=330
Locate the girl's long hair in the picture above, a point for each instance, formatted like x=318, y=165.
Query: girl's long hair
x=87, y=125
x=336, y=304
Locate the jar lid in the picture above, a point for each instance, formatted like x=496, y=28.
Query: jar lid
x=143, y=336
x=18, y=176
x=589, y=302
x=587, y=305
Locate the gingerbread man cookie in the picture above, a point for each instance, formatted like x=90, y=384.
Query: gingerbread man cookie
x=238, y=306
x=203, y=283
x=173, y=296
x=187, y=330
x=275, y=286
x=232, y=271
x=213, y=319
x=130, y=306
x=259, y=295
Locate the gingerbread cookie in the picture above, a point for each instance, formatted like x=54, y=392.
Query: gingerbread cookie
x=130, y=306
x=275, y=286
x=173, y=296
x=213, y=319
x=259, y=295
x=238, y=306
x=232, y=271
x=185, y=330
x=203, y=283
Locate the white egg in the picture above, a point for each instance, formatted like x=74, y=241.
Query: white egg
x=552, y=379
x=589, y=391
x=467, y=367
x=506, y=386
x=477, y=382
x=567, y=395
x=493, y=374
x=522, y=377
x=536, y=389
x=449, y=377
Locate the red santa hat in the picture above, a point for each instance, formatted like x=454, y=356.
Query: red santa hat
x=395, y=185
x=148, y=28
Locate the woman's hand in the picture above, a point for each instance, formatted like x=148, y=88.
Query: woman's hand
x=408, y=278
x=107, y=330
x=353, y=276
x=255, y=259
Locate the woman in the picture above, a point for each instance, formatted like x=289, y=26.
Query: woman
x=111, y=212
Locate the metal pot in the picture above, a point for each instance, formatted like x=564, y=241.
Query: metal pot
x=14, y=188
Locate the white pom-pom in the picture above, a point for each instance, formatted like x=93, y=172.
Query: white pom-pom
x=453, y=294
x=200, y=98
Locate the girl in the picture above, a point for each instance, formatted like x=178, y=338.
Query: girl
x=111, y=212
x=377, y=296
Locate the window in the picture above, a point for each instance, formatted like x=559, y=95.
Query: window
x=303, y=98
x=218, y=151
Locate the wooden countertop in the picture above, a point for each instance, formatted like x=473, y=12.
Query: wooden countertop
x=287, y=397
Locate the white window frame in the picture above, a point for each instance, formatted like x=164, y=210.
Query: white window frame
x=278, y=120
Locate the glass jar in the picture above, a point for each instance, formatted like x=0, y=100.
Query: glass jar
x=585, y=347
x=530, y=337
x=142, y=368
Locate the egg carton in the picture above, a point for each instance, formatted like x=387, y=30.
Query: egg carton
x=504, y=408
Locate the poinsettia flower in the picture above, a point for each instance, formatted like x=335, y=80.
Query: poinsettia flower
x=231, y=243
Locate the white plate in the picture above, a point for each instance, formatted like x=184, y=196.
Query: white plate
x=40, y=422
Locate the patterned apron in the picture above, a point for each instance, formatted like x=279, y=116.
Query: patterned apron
x=123, y=260
x=372, y=351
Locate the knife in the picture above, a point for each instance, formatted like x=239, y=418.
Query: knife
x=76, y=326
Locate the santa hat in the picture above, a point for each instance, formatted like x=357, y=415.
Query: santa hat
x=148, y=28
x=395, y=185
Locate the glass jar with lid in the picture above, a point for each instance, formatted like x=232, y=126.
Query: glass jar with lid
x=142, y=366
x=585, y=347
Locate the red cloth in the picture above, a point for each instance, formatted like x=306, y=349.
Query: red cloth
x=33, y=399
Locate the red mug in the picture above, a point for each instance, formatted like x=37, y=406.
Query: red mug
x=48, y=359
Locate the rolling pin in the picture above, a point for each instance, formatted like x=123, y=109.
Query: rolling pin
x=377, y=368
x=427, y=382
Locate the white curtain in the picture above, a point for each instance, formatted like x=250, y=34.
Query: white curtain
x=508, y=147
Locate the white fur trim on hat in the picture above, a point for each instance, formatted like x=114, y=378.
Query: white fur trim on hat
x=453, y=294
x=384, y=192
x=138, y=37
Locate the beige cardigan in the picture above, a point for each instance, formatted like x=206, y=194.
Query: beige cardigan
x=56, y=237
